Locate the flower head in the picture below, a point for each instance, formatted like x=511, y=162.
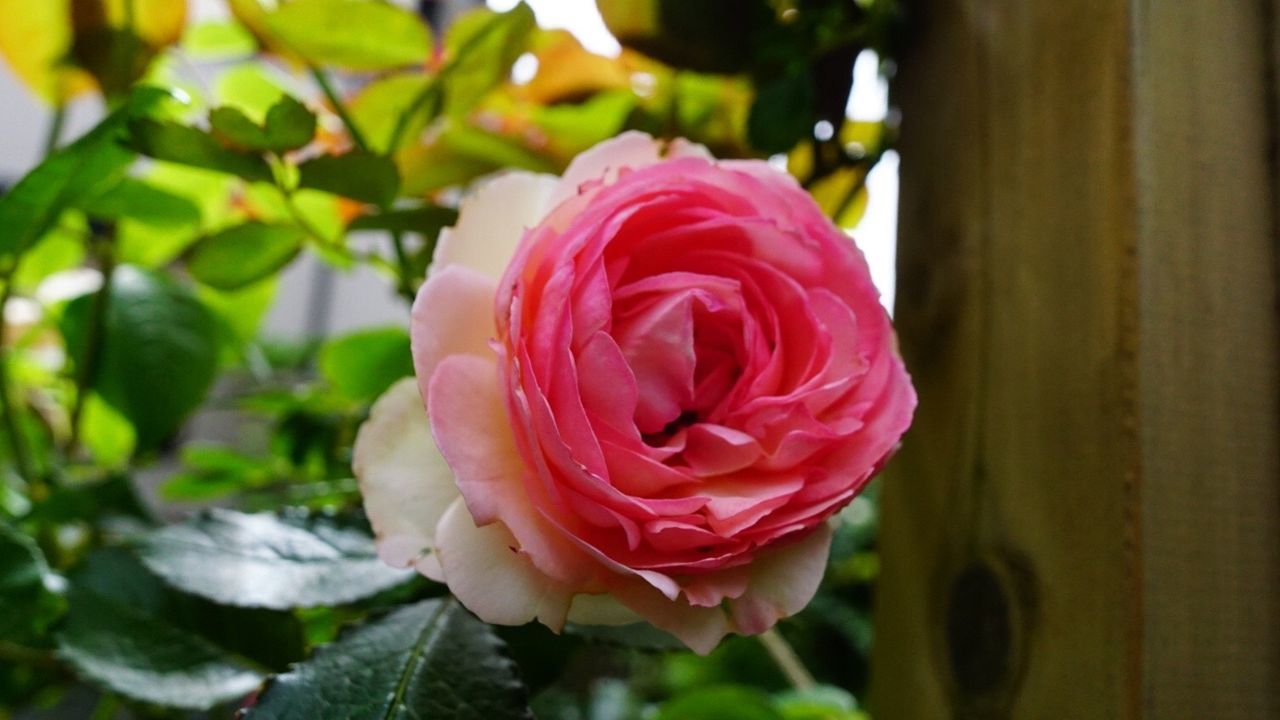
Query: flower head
x=649, y=384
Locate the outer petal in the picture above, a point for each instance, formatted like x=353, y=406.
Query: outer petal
x=701, y=629
x=492, y=578
x=491, y=221
x=600, y=610
x=632, y=149
x=782, y=582
x=452, y=314
x=405, y=482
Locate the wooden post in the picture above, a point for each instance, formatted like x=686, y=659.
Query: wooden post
x=1085, y=520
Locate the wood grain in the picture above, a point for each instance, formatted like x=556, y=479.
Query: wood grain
x=1087, y=301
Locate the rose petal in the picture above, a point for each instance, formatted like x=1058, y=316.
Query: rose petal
x=492, y=220
x=602, y=609
x=783, y=581
x=452, y=314
x=404, y=479
x=631, y=149
x=490, y=576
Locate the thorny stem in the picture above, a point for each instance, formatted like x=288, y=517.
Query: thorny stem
x=788, y=662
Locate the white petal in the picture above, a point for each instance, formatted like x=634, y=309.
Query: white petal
x=632, y=149
x=405, y=482
x=491, y=221
x=488, y=575
x=783, y=581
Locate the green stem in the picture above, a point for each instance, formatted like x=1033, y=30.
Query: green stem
x=787, y=660
x=87, y=368
x=339, y=107
x=56, y=124
x=405, y=269
x=9, y=407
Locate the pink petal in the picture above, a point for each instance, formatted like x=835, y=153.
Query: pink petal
x=452, y=314
x=492, y=220
x=631, y=149
x=783, y=581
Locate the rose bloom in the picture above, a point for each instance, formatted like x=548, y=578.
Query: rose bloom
x=648, y=386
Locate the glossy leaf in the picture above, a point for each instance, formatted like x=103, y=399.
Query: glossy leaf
x=127, y=650
x=191, y=146
x=354, y=34
x=268, y=561
x=244, y=254
x=428, y=660
x=357, y=175
x=153, y=328
x=25, y=601
x=364, y=364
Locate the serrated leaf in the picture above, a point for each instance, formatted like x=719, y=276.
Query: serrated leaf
x=133, y=653
x=244, y=254
x=154, y=328
x=268, y=561
x=191, y=146
x=357, y=175
x=428, y=660
x=354, y=34
x=364, y=364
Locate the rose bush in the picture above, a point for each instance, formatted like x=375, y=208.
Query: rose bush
x=650, y=384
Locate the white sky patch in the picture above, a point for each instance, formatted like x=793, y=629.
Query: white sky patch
x=877, y=232
x=870, y=97
x=580, y=17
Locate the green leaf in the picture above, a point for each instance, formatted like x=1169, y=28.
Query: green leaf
x=428, y=660
x=290, y=125
x=244, y=254
x=483, y=46
x=143, y=202
x=158, y=354
x=426, y=220
x=128, y=651
x=69, y=176
x=364, y=364
x=268, y=561
x=782, y=114
x=723, y=702
x=824, y=702
x=25, y=600
x=354, y=34
x=378, y=108
x=218, y=40
x=190, y=146
x=639, y=636
x=358, y=175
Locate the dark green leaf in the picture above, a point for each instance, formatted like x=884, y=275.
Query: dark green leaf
x=190, y=146
x=25, y=601
x=357, y=175
x=158, y=353
x=725, y=702
x=290, y=125
x=364, y=364
x=426, y=220
x=782, y=114
x=244, y=254
x=145, y=203
x=268, y=561
x=640, y=636
x=354, y=34
x=428, y=660
x=133, y=653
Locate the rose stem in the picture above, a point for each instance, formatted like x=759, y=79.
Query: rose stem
x=788, y=662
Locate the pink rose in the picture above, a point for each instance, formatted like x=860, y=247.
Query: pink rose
x=651, y=383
